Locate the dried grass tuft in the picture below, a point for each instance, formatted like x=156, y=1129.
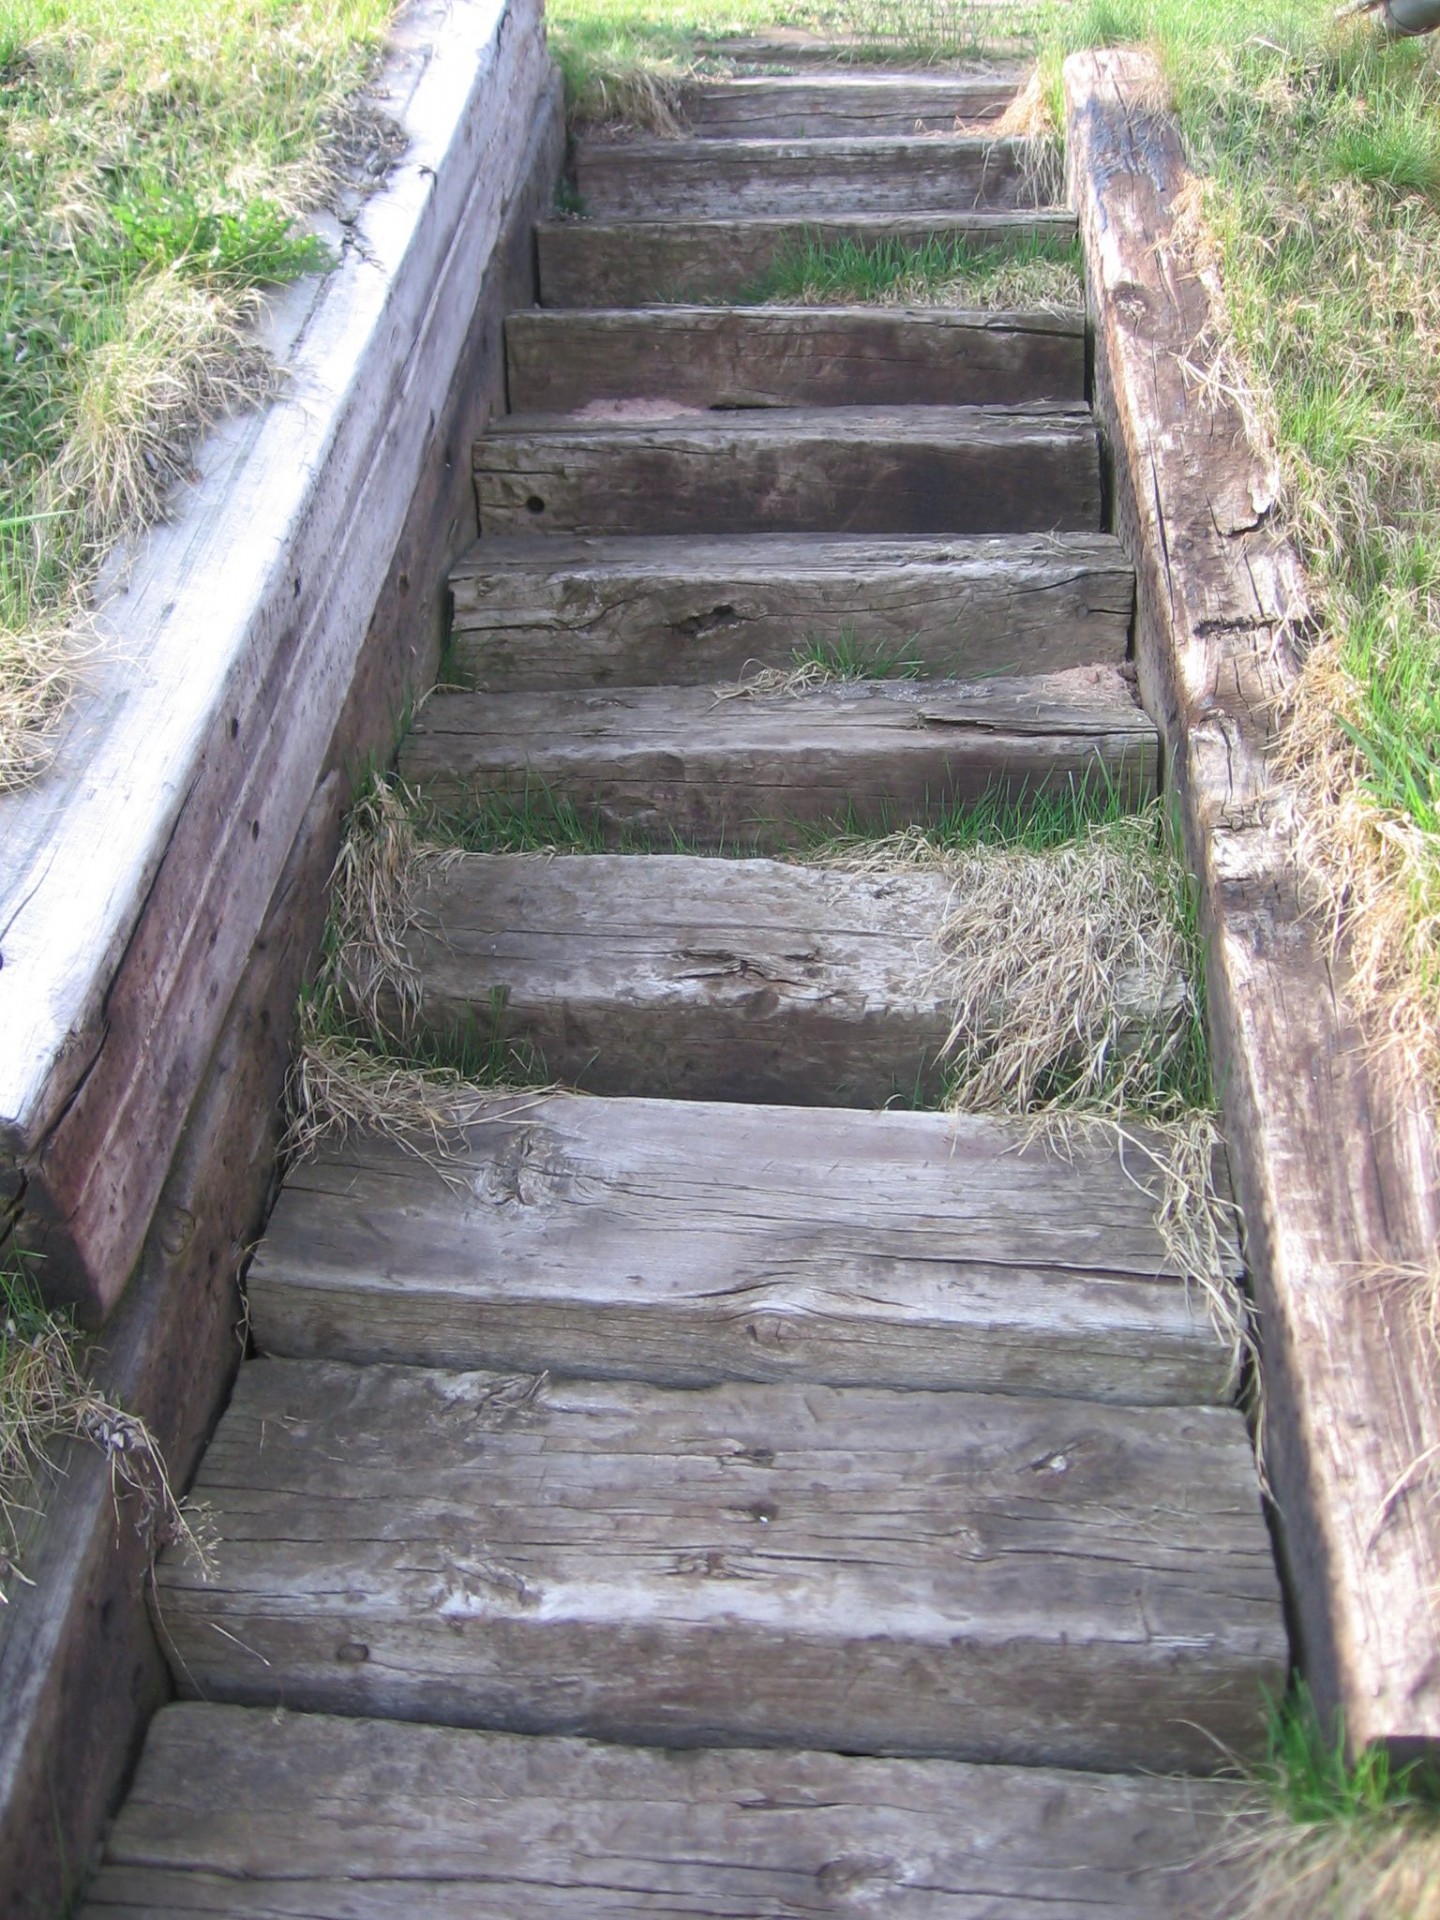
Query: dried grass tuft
x=40, y=660
x=1067, y=974
x=1349, y=1870
x=373, y=889
x=45, y=1400
x=183, y=360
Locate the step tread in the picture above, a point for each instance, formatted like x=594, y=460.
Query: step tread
x=670, y=974
x=679, y=611
x=763, y=770
x=598, y=262
x=837, y=103
x=666, y=179
x=793, y=470
x=242, y=1813
x=559, y=360
x=1029, y=1580
x=686, y=1244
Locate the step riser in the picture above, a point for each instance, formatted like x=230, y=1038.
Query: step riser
x=674, y=479
x=836, y=107
x=559, y=362
x=679, y=180
x=695, y=978
x=688, y=1245
x=696, y=1569
x=516, y=1829
x=570, y=621
x=585, y=263
x=762, y=774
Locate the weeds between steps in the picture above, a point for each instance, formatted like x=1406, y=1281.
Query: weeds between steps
x=1034, y=272
x=46, y=1399
x=1333, y=1838
x=819, y=662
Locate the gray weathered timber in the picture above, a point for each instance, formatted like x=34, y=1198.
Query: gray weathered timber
x=1334, y=1149
x=253, y=1815
x=821, y=106
x=1045, y=1582
x=686, y=1244
x=793, y=470
x=676, y=976
x=763, y=770
x=573, y=612
x=699, y=179
x=138, y=869
x=617, y=263
x=793, y=357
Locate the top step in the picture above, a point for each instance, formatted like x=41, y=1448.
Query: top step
x=839, y=105
x=693, y=179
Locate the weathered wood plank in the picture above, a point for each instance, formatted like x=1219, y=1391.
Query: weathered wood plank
x=575, y=612
x=696, y=179
x=255, y=1814
x=793, y=470
x=793, y=357
x=843, y=105
x=1035, y=1581
x=763, y=771
x=1334, y=1153
x=597, y=263
x=687, y=1244
x=143, y=862
x=674, y=976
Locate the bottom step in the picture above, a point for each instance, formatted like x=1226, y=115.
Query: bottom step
x=253, y=1814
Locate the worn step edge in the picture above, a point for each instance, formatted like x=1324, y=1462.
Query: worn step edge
x=668, y=975
x=794, y=470
x=846, y=104
x=687, y=1244
x=679, y=179
x=681, y=611
x=716, y=768
x=258, y=1811
x=616, y=263
x=1044, y=1582
x=780, y=356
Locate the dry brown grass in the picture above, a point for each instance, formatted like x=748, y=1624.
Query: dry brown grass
x=1350, y=1870
x=373, y=890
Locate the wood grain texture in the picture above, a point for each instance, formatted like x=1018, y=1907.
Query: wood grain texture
x=1034, y=1581
x=842, y=105
x=696, y=978
x=695, y=179
x=670, y=611
x=793, y=470
x=764, y=771
x=793, y=357
x=620, y=263
x=129, y=918
x=253, y=1815
x=1334, y=1154
x=687, y=1243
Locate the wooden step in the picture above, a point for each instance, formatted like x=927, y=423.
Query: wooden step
x=1046, y=1582
x=755, y=771
x=668, y=975
x=689, y=1244
x=793, y=470
x=623, y=263
x=813, y=179
x=571, y=612
x=843, y=105
x=252, y=1815
x=793, y=357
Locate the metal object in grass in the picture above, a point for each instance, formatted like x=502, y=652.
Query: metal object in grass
x=1402, y=18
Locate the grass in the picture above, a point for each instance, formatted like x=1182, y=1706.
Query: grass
x=46, y=1399
x=1336, y=1837
x=820, y=661
x=943, y=270
x=156, y=158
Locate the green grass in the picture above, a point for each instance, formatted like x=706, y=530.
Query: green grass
x=156, y=155
x=943, y=270
x=848, y=657
x=1314, y=1780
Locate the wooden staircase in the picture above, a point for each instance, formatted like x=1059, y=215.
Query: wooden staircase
x=710, y=1493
